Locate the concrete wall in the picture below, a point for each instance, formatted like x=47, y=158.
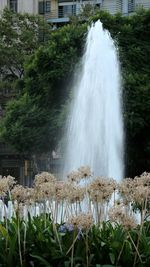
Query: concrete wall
x=28, y=6
x=54, y=9
x=3, y=4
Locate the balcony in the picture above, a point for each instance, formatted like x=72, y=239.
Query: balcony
x=143, y=5
x=66, y=9
x=131, y=6
x=62, y=14
x=82, y=2
x=57, y=16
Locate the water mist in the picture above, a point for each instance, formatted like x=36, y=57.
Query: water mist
x=95, y=125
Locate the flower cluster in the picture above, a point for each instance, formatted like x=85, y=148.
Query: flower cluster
x=44, y=177
x=101, y=189
x=6, y=183
x=82, y=221
x=136, y=190
x=119, y=214
x=82, y=173
x=70, y=200
x=22, y=194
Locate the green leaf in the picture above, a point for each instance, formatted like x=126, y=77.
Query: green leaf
x=112, y=258
x=4, y=232
x=103, y=244
x=45, y=263
x=67, y=263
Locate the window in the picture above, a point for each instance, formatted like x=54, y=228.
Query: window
x=13, y=4
x=41, y=7
x=131, y=5
x=44, y=7
x=47, y=6
x=66, y=11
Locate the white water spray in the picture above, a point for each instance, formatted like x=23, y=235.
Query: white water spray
x=95, y=128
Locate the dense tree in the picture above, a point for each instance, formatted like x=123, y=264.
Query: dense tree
x=49, y=71
x=135, y=53
x=20, y=35
x=26, y=122
x=47, y=74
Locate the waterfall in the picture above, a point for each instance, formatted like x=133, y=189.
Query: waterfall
x=95, y=125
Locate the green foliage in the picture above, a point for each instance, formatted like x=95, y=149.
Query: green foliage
x=26, y=122
x=46, y=77
x=51, y=68
x=38, y=242
x=49, y=73
x=19, y=37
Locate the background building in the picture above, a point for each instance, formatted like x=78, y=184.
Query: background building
x=59, y=11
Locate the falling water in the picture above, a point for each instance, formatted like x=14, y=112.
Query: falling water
x=95, y=127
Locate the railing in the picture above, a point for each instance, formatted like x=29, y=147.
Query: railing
x=60, y=15
x=66, y=14
x=11, y=163
x=112, y=9
x=67, y=11
x=5, y=149
x=81, y=1
x=144, y=5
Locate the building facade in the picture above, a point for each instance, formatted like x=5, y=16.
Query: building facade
x=56, y=11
